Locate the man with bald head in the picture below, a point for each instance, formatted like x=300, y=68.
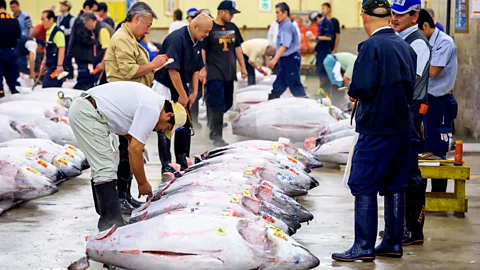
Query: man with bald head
x=185, y=47
x=382, y=85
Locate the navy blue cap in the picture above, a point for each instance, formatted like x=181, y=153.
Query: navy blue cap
x=229, y=6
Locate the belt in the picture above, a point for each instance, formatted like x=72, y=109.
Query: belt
x=90, y=99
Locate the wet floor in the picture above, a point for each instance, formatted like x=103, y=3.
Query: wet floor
x=49, y=233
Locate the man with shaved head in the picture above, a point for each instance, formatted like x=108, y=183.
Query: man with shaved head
x=185, y=47
x=382, y=86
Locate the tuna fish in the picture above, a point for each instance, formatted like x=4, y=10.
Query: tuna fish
x=196, y=242
x=335, y=151
x=45, y=168
x=22, y=183
x=11, y=129
x=72, y=154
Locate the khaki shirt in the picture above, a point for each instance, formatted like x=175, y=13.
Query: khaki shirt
x=124, y=56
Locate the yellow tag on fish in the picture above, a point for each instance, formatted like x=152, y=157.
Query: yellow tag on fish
x=292, y=159
x=42, y=162
x=71, y=147
x=234, y=199
x=63, y=161
x=29, y=154
x=248, y=171
x=32, y=170
x=275, y=146
x=280, y=234
x=221, y=230
x=228, y=214
x=246, y=193
x=69, y=154
x=299, y=155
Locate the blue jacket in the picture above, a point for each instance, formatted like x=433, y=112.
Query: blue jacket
x=383, y=82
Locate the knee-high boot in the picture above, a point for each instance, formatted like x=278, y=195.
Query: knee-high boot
x=391, y=245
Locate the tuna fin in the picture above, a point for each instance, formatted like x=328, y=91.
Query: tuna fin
x=107, y=234
x=80, y=264
x=166, y=187
x=198, y=159
x=189, y=162
x=144, y=216
x=147, y=204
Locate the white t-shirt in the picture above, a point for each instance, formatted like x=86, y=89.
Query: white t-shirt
x=31, y=46
x=175, y=25
x=129, y=107
x=255, y=48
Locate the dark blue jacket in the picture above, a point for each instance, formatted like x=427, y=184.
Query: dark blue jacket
x=325, y=28
x=81, y=41
x=383, y=82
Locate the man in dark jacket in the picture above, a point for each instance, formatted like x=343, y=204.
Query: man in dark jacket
x=102, y=40
x=382, y=84
x=81, y=46
x=65, y=22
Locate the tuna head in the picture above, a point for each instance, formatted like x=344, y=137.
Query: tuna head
x=283, y=252
x=292, y=207
x=284, y=182
x=32, y=185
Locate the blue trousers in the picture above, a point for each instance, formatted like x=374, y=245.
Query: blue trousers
x=288, y=75
x=417, y=145
x=9, y=70
x=84, y=78
x=379, y=164
x=439, y=120
x=321, y=71
x=48, y=81
x=219, y=95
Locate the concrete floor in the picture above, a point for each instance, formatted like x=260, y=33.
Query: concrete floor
x=49, y=233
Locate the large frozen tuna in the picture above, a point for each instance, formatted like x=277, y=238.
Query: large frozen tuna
x=196, y=242
x=11, y=129
x=61, y=96
x=264, y=170
x=276, y=147
x=58, y=132
x=335, y=151
x=294, y=121
x=68, y=152
x=253, y=93
x=22, y=183
x=45, y=168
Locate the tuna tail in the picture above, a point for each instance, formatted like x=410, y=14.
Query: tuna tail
x=85, y=165
x=80, y=264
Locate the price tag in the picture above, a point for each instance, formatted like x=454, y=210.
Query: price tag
x=246, y=193
x=71, y=147
x=234, y=199
x=32, y=170
x=63, y=161
x=248, y=171
x=299, y=155
x=228, y=214
x=69, y=154
x=42, y=162
x=292, y=160
x=275, y=146
x=279, y=233
x=221, y=230
x=29, y=154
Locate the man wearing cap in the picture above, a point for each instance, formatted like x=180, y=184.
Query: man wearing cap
x=380, y=158
x=221, y=50
x=177, y=21
x=127, y=109
x=254, y=49
x=191, y=13
x=127, y=60
x=404, y=22
x=325, y=43
x=185, y=47
x=443, y=107
x=65, y=21
x=288, y=56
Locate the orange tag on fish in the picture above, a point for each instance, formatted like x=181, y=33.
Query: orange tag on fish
x=279, y=233
x=63, y=161
x=32, y=170
x=69, y=154
x=292, y=160
x=71, y=147
x=42, y=162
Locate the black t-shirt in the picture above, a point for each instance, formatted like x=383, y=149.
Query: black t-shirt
x=187, y=55
x=220, y=49
x=9, y=31
x=336, y=29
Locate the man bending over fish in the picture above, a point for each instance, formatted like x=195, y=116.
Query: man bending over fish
x=128, y=109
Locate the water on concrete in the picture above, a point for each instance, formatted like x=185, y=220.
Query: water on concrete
x=49, y=233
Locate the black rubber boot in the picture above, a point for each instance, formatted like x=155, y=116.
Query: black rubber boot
x=95, y=201
x=182, y=146
x=209, y=123
x=414, y=214
x=439, y=185
x=109, y=206
x=391, y=245
x=217, y=124
x=366, y=222
x=164, y=152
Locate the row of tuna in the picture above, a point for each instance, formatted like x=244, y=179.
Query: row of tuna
x=232, y=209
x=31, y=168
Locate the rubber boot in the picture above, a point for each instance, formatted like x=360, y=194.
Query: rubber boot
x=123, y=175
x=164, y=152
x=209, y=123
x=391, y=245
x=109, y=206
x=217, y=124
x=182, y=147
x=95, y=201
x=366, y=222
x=194, y=114
x=414, y=214
x=439, y=185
